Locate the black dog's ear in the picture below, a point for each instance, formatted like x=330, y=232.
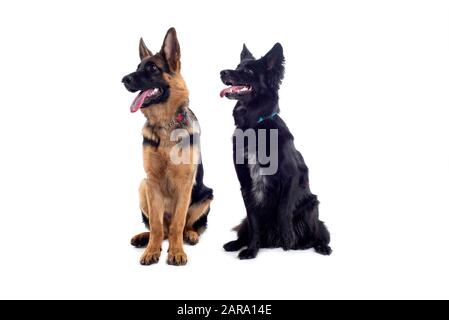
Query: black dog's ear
x=171, y=50
x=246, y=54
x=275, y=57
x=274, y=61
x=144, y=52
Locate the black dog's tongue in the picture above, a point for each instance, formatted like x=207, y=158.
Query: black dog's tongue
x=233, y=89
x=140, y=99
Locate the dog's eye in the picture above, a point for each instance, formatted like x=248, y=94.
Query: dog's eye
x=152, y=67
x=248, y=71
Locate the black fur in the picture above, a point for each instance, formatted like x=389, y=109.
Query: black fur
x=145, y=221
x=201, y=223
x=193, y=140
x=201, y=193
x=287, y=215
x=150, y=142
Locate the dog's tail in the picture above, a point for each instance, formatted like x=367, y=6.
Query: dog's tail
x=239, y=227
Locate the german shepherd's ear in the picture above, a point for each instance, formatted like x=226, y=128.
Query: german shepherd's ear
x=144, y=52
x=171, y=50
x=274, y=61
x=246, y=54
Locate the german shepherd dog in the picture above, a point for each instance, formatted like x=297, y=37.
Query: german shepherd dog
x=173, y=199
x=281, y=210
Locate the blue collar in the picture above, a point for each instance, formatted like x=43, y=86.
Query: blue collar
x=262, y=119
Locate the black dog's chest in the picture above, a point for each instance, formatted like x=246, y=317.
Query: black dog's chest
x=255, y=185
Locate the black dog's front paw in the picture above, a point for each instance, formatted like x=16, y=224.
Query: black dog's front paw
x=233, y=246
x=248, y=254
x=288, y=240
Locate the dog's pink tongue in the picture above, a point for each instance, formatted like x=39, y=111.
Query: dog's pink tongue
x=232, y=89
x=137, y=103
x=140, y=99
x=224, y=91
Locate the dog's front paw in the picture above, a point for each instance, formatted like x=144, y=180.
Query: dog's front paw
x=248, y=254
x=191, y=237
x=288, y=239
x=288, y=243
x=176, y=257
x=232, y=246
x=150, y=256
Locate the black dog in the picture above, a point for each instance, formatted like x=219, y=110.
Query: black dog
x=281, y=210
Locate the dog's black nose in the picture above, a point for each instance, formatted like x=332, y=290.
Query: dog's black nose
x=127, y=79
x=224, y=73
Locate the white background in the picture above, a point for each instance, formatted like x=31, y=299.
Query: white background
x=365, y=94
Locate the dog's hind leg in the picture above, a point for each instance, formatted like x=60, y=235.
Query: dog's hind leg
x=242, y=239
x=235, y=245
x=287, y=205
x=141, y=240
x=323, y=238
x=193, y=228
x=310, y=231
